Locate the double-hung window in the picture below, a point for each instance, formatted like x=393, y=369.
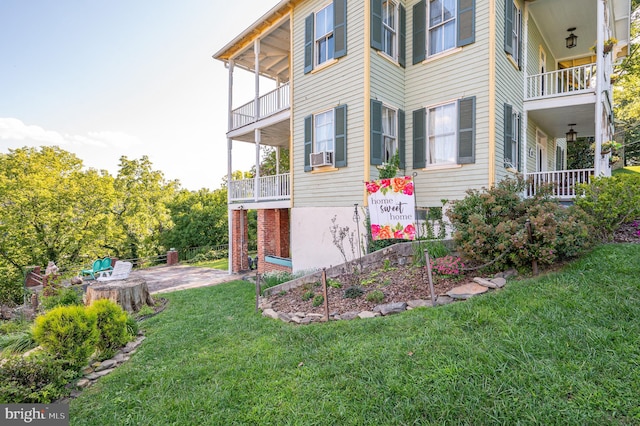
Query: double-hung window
x=324, y=45
x=325, y=35
x=323, y=131
x=444, y=134
x=441, y=127
x=390, y=28
x=513, y=32
x=512, y=129
x=442, y=26
x=325, y=138
x=389, y=133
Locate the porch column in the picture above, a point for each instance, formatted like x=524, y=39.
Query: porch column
x=240, y=237
x=525, y=114
x=599, y=84
x=230, y=166
x=257, y=134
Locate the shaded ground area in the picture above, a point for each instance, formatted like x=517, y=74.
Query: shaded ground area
x=162, y=279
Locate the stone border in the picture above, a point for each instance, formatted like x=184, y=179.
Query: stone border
x=463, y=292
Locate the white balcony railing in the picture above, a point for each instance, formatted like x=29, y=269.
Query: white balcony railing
x=568, y=81
x=564, y=181
x=275, y=101
x=270, y=188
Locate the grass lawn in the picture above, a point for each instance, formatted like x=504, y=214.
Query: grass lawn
x=216, y=264
x=627, y=170
x=559, y=349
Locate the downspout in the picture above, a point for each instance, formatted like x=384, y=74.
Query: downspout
x=525, y=112
x=367, y=100
x=492, y=94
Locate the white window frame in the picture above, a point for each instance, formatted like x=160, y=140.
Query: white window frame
x=389, y=135
x=326, y=145
x=441, y=25
x=516, y=34
x=453, y=134
x=515, y=139
x=390, y=29
x=325, y=38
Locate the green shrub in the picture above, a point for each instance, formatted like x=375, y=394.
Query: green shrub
x=434, y=248
x=491, y=226
x=376, y=296
x=111, y=321
x=132, y=324
x=610, y=202
x=333, y=283
x=11, y=285
x=307, y=295
x=69, y=333
x=38, y=379
x=272, y=279
x=317, y=300
x=61, y=296
x=353, y=292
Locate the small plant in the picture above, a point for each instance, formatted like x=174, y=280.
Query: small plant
x=38, y=379
x=390, y=169
x=17, y=343
x=307, y=295
x=386, y=264
x=447, y=266
x=353, y=292
x=111, y=321
x=376, y=296
x=145, y=311
x=434, y=248
x=317, y=300
x=61, y=296
x=69, y=333
x=132, y=325
x=333, y=283
x=368, y=282
x=386, y=282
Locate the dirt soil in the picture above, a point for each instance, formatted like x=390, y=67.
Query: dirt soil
x=398, y=284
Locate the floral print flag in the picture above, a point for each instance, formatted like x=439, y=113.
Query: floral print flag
x=392, y=208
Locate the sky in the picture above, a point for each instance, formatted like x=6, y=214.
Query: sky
x=107, y=78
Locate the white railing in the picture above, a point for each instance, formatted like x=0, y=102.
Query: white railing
x=275, y=101
x=270, y=188
x=568, y=81
x=563, y=181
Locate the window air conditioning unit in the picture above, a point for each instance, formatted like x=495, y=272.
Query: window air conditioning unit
x=323, y=158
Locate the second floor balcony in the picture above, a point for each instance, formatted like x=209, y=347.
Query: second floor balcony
x=263, y=189
x=562, y=82
x=268, y=105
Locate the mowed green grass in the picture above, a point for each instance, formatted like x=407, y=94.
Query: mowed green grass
x=559, y=349
x=627, y=170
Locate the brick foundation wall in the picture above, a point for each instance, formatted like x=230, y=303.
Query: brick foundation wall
x=273, y=238
x=240, y=241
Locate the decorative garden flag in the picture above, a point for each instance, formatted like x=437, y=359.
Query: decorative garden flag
x=392, y=208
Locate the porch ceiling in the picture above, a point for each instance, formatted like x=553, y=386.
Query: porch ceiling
x=274, y=135
x=554, y=17
x=555, y=122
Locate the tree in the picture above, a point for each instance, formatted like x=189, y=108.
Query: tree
x=141, y=209
x=50, y=210
x=269, y=160
x=200, y=219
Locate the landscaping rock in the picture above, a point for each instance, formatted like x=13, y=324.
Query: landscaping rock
x=284, y=317
x=97, y=375
x=418, y=303
x=510, y=273
x=110, y=363
x=391, y=308
x=305, y=320
x=368, y=314
x=270, y=313
x=499, y=282
x=466, y=291
x=485, y=283
x=131, y=346
x=444, y=300
x=349, y=315
x=83, y=383
x=300, y=314
x=296, y=319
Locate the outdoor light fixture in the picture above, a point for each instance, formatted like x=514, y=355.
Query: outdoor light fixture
x=572, y=40
x=571, y=135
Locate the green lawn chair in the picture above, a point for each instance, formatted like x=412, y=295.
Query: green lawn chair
x=98, y=265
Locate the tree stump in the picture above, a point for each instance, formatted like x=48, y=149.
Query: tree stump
x=131, y=294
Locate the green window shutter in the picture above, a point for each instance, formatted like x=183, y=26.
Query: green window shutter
x=377, y=143
x=401, y=139
x=521, y=53
x=518, y=154
x=340, y=28
x=376, y=24
x=340, y=114
x=467, y=130
x=308, y=43
x=308, y=142
x=419, y=31
x=466, y=22
x=508, y=27
x=402, y=41
x=419, y=138
x=508, y=133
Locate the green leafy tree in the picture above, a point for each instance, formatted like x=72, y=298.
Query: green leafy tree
x=269, y=161
x=50, y=210
x=141, y=209
x=199, y=217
